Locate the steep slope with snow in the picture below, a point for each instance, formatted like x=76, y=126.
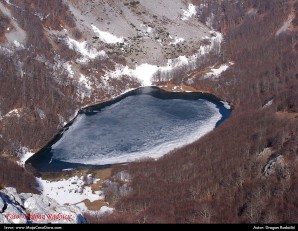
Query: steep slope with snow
x=141, y=31
x=61, y=55
x=246, y=170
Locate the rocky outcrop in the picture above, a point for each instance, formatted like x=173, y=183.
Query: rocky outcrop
x=28, y=208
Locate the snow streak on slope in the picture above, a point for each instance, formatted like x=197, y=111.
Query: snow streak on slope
x=18, y=45
x=15, y=112
x=216, y=72
x=102, y=211
x=106, y=36
x=24, y=154
x=83, y=80
x=286, y=25
x=86, y=51
x=176, y=40
x=145, y=71
x=69, y=70
x=191, y=11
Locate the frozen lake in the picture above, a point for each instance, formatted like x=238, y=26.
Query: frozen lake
x=146, y=122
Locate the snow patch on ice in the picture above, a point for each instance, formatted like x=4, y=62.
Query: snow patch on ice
x=161, y=149
x=226, y=105
x=107, y=37
x=69, y=191
x=187, y=14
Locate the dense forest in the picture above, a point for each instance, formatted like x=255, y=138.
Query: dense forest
x=245, y=171
x=14, y=175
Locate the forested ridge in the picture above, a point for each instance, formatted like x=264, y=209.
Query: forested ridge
x=245, y=171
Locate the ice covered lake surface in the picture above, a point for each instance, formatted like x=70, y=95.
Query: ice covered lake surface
x=146, y=122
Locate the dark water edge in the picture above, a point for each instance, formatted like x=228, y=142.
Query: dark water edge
x=41, y=159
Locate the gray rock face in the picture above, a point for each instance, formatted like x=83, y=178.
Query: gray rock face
x=27, y=208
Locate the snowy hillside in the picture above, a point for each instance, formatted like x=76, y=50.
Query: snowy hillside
x=63, y=55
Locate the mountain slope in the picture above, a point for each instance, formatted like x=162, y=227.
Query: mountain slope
x=245, y=171
x=62, y=55
x=58, y=56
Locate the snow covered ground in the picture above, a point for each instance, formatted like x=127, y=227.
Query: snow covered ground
x=69, y=191
x=73, y=191
x=106, y=36
x=103, y=210
x=87, y=52
x=216, y=72
x=187, y=14
x=24, y=154
x=145, y=71
x=177, y=40
x=268, y=104
x=15, y=112
x=69, y=70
